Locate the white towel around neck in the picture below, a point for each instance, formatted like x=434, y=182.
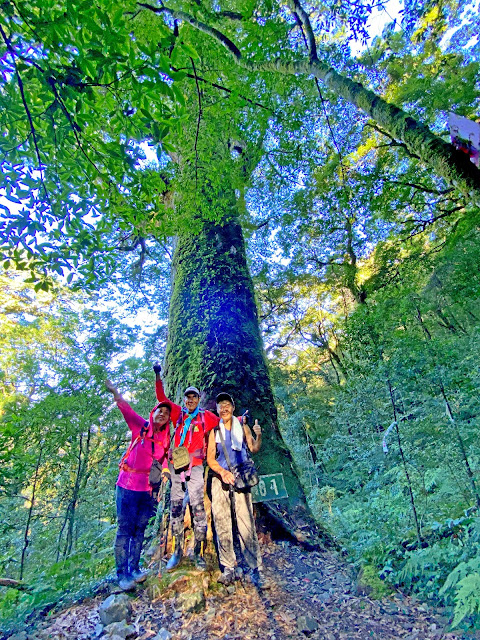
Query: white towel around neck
x=236, y=434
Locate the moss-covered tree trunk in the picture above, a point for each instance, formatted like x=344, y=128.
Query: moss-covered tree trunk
x=214, y=343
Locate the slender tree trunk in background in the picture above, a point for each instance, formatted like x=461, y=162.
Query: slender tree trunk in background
x=376, y=341
x=83, y=454
x=404, y=463
x=453, y=422
x=461, y=446
x=70, y=513
x=26, y=540
x=214, y=343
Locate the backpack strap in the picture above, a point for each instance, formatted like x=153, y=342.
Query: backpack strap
x=225, y=452
x=128, y=451
x=201, y=413
x=132, y=445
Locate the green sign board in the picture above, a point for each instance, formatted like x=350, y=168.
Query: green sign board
x=270, y=487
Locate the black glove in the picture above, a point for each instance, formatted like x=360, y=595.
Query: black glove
x=157, y=368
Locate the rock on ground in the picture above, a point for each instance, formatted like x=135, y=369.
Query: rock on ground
x=121, y=629
x=115, y=609
x=306, y=624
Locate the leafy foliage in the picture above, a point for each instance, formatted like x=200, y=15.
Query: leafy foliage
x=365, y=264
x=61, y=439
x=419, y=338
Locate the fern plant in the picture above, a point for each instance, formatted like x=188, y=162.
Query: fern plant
x=464, y=583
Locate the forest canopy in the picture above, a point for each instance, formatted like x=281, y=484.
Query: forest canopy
x=133, y=133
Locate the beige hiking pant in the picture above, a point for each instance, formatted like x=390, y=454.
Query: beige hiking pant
x=222, y=517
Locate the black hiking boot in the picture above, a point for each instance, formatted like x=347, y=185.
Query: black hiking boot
x=256, y=578
x=199, y=560
x=126, y=584
x=140, y=575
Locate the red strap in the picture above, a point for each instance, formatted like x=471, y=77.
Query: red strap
x=125, y=467
x=128, y=451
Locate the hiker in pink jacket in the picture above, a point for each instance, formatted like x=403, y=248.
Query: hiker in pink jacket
x=135, y=502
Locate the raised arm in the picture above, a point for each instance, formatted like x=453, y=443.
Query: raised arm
x=161, y=397
x=117, y=396
x=253, y=444
x=159, y=391
x=133, y=420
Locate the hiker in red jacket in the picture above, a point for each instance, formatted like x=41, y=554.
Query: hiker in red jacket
x=135, y=503
x=192, y=423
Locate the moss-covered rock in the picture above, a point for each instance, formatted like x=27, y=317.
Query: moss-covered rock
x=369, y=583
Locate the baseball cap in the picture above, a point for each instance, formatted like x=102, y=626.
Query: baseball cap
x=223, y=395
x=165, y=403
x=191, y=390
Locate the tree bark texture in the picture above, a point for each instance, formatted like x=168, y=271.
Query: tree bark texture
x=214, y=341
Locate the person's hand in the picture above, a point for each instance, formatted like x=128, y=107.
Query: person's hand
x=157, y=368
x=165, y=476
x=227, y=477
x=257, y=429
x=111, y=387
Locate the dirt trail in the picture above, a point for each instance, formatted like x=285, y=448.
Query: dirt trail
x=312, y=594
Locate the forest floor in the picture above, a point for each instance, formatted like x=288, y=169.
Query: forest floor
x=312, y=594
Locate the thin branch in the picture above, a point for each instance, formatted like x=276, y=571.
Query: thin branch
x=199, y=119
x=75, y=128
x=421, y=187
x=421, y=225
x=394, y=142
x=263, y=224
x=131, y=247
x=11, y=50
x=23, y=18
x=231, y=15
x=226, y=89
x=283, y=343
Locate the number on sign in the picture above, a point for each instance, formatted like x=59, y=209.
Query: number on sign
x=273, y=486
x=262, y=488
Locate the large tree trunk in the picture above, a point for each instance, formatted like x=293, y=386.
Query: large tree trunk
x=214, y=343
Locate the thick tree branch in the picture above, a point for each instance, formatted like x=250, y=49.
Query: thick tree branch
x=197, y=24
x=301, y=24
x=14, y=584
x=442, y=157
x=302, y=15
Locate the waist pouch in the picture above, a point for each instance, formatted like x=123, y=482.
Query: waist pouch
x=245, y=474
x=155, y=475
x=180, y=458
